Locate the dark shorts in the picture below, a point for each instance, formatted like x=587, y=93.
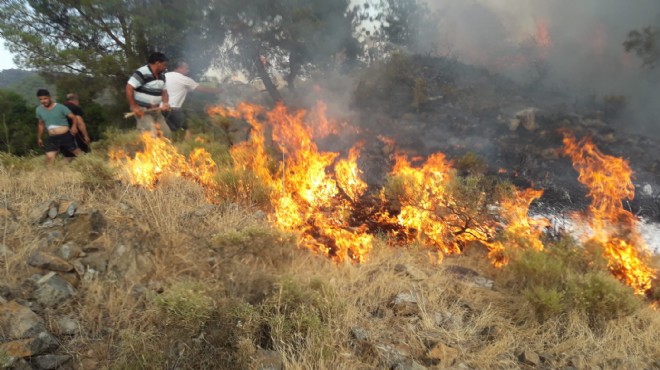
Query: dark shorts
x=82, y=145
x=63, y=142
x=176, y=119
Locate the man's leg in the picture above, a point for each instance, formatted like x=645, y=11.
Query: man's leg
x=50, y=157
x=162, y=125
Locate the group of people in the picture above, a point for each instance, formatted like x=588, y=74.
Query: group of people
x=155, y=98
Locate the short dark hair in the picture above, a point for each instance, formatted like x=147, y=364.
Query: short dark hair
x=157, y=57
x=43, y=92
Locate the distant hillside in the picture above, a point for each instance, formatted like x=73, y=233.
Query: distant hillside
x=24, y=83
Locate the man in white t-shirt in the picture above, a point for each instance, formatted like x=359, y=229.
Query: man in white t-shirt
x=178, y=85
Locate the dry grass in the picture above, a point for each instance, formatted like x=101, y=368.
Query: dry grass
x=206, y=286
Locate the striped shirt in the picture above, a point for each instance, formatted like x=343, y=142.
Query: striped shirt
x=148, y=88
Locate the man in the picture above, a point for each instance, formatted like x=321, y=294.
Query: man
x=82, y=138
x=178, y=85
x=55, y=118
x=147, y=96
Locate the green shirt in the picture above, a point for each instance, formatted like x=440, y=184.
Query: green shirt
x=55, y=116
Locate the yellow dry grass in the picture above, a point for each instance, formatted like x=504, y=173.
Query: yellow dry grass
x=251, y=287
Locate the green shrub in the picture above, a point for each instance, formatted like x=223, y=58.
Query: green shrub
x=561, y=279
x=185, y=304
x=602, y=297
x=470, y=163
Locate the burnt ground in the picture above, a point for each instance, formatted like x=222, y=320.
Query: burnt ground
x=467, y=109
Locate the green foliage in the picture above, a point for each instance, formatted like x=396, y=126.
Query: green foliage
x=557, y=281
x=95, y=170
x=185, y=304
x=405, y=22
x=251, y=237
x=18, y=125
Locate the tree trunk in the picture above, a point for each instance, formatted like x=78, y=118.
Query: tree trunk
x=265, y=77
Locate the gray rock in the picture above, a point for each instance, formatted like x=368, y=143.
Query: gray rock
x=404, y=304
x=54, y=291
x=360, y=334
x=48, y=362
x=530, y=358
x=40, y=211
x=49, y=262
x=18, y=321
x=95, y=261
x=67, y=326
x=408, y=364
x=69, y=251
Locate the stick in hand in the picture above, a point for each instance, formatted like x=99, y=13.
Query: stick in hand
x=131, y=114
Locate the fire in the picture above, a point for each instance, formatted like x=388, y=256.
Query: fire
x=542, y=36
x=305, y=197
x=613, y=228
x=160, y=157
x=321, y=195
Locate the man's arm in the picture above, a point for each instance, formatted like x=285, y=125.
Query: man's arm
x=83, y=129
x=130, y=96
x=74, y=123
x=40, y=131
x=208, y=90
x=165, y=100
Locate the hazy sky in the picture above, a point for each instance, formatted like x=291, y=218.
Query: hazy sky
x=5, y=57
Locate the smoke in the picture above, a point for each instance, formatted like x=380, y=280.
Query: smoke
x=568, y=46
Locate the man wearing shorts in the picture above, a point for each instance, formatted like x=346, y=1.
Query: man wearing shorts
x=178, y=85
x=53, y=117
x=147, y=96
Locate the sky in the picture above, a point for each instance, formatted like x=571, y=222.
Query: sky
x=5, y=57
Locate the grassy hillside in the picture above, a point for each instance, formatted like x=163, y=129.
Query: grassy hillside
x=164, y=278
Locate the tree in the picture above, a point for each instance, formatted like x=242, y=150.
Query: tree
x=103, y=39
x=288, y=36
x=645, y=43
x=18, y=125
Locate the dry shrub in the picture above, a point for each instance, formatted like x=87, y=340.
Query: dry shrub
x=95, y=171
x=244, y=187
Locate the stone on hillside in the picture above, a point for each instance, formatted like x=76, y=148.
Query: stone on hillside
x=470, y=277
x=69, y=251
x=40, y=212
x=49, y=262
x=530, y=358
x=17, y=321
x=443, y=354
x=130, y=262
x=411, y=271
x=268, y=360
x=41, y=344
x=55, y=237
x=404, y=304
x=84, y=228
x=67, y=326
x=48, y=362
x=95, y=261
x=360, y=334
x=53, y=210
x=54, y=291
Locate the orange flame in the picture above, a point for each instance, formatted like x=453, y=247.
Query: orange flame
x=614, y=228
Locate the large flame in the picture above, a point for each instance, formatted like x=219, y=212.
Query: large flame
x=321, y=194
x=613, y=227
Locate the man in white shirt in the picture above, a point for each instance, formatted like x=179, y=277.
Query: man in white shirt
x=178, y=85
